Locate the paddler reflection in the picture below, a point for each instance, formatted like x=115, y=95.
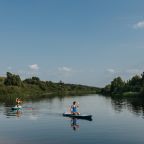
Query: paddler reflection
x=74, y=124
x=18, y=113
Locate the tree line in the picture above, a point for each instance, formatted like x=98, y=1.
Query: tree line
x=133, y=86
x=12, y=83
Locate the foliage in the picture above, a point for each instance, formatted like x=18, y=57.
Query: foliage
x=2, y=80
x=12, y=80
x=33, y=87
x=117, y=85
x=134, y=86
x=106, y=90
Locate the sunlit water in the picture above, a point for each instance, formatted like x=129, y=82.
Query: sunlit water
x=41, y=122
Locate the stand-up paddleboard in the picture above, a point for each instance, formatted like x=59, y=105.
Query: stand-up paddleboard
x=81, y=116
x=16, y=107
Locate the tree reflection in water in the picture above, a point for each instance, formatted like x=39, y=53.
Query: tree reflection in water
x=133, y=104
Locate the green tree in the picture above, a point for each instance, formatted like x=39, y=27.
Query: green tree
x=33, y=80
x=106, y=89
x=134, y=84
x=117, y=85
x=13, y=80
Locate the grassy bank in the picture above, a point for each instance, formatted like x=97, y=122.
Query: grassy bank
x=32, y=88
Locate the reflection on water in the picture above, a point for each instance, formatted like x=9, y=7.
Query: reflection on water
x=26, y=109
x=133, y=104
x=74, y=124
x=11, y=113
x=42, y=121
x=118, y=104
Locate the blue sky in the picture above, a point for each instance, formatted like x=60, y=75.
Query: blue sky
x=76, y=41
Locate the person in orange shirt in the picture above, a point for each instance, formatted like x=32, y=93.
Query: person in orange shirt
x=18, y=101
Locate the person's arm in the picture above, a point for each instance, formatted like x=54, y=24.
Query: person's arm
x=70, y=109
x=77, y=104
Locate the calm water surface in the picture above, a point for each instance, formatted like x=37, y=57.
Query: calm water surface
x=115, y=121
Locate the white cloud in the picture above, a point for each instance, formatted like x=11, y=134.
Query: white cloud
x=34, y=67
x=139, y=24
x=64, y=69
x=112, y=71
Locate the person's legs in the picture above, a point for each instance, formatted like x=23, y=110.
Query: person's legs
x=75, y=113
x=78, y=113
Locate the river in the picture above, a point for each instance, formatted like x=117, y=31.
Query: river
x=114, y=121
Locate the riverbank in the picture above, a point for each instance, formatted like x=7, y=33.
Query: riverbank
x=131, y=87
x=32, y=88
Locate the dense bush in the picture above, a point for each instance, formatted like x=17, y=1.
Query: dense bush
x=12, y=80
x=34, y=87
x=119, y=87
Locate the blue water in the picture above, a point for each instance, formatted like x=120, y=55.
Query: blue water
x=114, y=122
